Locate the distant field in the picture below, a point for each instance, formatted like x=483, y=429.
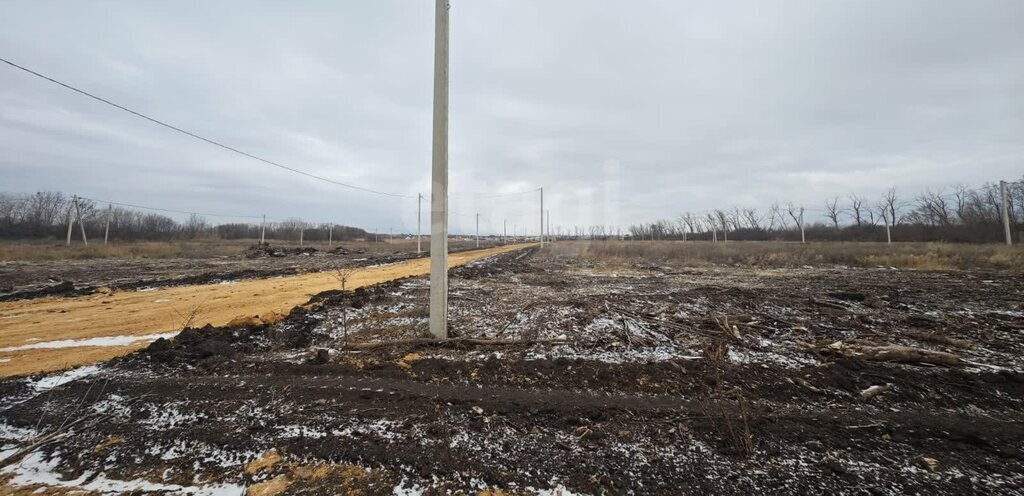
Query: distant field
x=40, y=250
x=919, y=256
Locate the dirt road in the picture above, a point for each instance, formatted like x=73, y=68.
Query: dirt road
x=100, y=326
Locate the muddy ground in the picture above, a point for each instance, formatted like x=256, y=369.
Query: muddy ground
x=601, y=377
x=22, y=280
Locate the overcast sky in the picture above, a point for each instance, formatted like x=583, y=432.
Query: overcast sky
x=622, y=111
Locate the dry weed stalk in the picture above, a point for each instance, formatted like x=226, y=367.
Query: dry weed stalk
x=343, y=275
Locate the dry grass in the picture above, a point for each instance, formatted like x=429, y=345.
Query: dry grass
x=36, y=251
x=918, y=256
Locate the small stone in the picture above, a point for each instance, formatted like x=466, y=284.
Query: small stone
x=927, y=463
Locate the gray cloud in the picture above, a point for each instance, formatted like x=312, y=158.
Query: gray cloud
x=623, y=112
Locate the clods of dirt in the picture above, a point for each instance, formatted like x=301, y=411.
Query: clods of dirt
x=571, y=374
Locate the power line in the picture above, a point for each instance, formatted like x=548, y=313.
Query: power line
x=169, y=210
x=194, y=135
x=500, y=195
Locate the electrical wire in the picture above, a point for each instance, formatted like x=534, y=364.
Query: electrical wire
x=196, y=136
x=169, y=210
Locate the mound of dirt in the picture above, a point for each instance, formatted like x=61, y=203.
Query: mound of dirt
x=341, y=250
x=198, y=344
x=266, y=250
x=62, y=288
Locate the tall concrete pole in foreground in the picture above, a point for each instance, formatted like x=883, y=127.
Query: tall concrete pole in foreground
x=439, y=179
x=542, y=217
x=1006, y=211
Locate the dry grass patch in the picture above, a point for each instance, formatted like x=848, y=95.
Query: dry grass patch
x=918, y=256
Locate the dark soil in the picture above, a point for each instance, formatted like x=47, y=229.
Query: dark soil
x=648, y=389
x=23, y=280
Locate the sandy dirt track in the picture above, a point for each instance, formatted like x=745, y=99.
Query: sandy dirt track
x=138, y=313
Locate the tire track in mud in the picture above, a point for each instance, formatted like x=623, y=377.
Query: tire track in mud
x=140, y=313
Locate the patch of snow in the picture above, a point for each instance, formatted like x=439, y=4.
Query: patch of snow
x=49, y=382
x=17, y=434
x=37, y=469
x=99, y=342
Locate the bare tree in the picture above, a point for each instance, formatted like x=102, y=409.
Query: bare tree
x=857, y=209
x=753, y=218
x=832, y=211
x=892, y=204
x=775, y=215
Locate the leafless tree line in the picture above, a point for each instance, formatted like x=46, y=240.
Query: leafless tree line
x=46, y=215
x=958, y=214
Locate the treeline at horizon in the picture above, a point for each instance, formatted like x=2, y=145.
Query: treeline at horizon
x=46, y=214
x=960, y=215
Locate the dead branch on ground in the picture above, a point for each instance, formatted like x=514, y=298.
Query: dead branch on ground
x=449, y=342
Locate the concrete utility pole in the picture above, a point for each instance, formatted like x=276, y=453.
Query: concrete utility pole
x=803, y=238
x=439, y=178
x=106, y=230
x=81, y=224
x=71, y=219
x=548, y=228
x=419, y=215
x=302, y=232
x=888, y=231
x=478, y=230
x=504, y=231
x=263, y=229
x=1003, y=188
x=542, y=217
x=330, y=236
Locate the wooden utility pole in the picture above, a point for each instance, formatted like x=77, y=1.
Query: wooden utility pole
x=439, y=178
x=106, y=230
x=1003, y=188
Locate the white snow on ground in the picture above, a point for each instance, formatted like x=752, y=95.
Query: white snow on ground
x=168, y=416
x=48, y=382
x=100, y=341
x=18, y=434
x=36, y=469
x=4, y=360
